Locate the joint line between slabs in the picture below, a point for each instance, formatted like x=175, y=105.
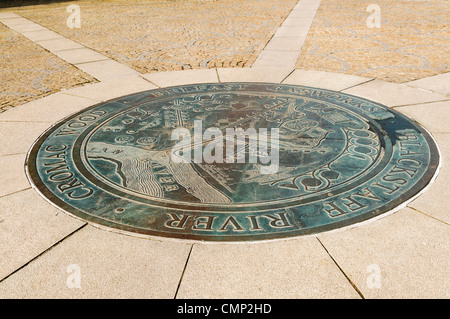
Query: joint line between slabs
x=217, y=74
x=142, y=77
x=342, y=271
x=81, y=96
x=15, y=192
x=42, y=253
x=423, y=213
x=288, y=75
x=350, y=87
x=12, y=154
x=182, y=274
x=429, y=102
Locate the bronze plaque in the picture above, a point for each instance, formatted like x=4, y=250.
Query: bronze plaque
x=232, y=161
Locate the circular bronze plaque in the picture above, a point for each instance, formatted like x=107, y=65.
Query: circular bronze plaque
x=232, y=161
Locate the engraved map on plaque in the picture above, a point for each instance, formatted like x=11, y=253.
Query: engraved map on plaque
x=340, y=160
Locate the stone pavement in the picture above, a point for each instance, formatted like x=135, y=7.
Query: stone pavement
x=412, y=41
x=402, y=255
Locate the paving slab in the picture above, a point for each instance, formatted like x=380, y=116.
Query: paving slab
x=285, y=43
x=290, y=32
x=276, y=59
x=17, y=137
x=12, y=172
x=298, y=21
x=404, y=255
x=303, y=12
x=106, y=70
x=10, y=20
x=275, y=75
x=435, y=200
x=392, y=94
x=40, y=35
x=26, y=27
x=8, y=15
x=112, y=88
x=29, y=225
x=326, y=80
x=310, y=6
x=80, y=55
x=170, y=78
x=439, y=84
x=107, y=265
x=434, y=116
x=54, y=45
x=298, y=268
x=49, y=109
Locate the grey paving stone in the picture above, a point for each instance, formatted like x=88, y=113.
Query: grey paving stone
x=107, y=264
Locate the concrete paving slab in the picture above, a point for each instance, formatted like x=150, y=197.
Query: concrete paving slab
x=113, y=88
x=299, y=12
x=285, y=43
x=54, y=45
x=326, y=80
x=289, y=32
x=435, y=201
x=27, y=27
x=170, y=78
x=12, y=174
x=80, y=55
x=40, y=35
x=298, y=21
x=17, y=137
x=49, y=109
x=404, y=255
x=439, y=84
x=434, y=116
x=109, y=266
x=106, y=70
x=8, y=15
x=311, y=3
x=308, y=6
x=29, y=225
x=275, y=75
x=10, y=20
x=276, y=59
x=392, y=94
x=282, y=269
